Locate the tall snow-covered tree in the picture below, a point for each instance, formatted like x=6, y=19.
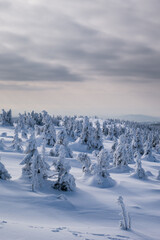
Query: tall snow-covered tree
x=49, y=131
x=31, y=149
x=137, y=145
x=17, y=142
x=97, y=141
x=61, y=141
x=103, y=162
x=65, y=181
x=120, y=158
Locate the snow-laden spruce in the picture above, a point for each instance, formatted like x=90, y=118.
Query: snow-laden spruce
x=120, y=156
x=4, y=175
x=137, y=145
x=49, y=131
x=6, y=118
x=125, y=223
x=39, y=169
x=17, y=142
x=148, y=150
x=86, y=162
x=91, y=136
x=65, y=181
x=100, y=175
x=139, y=171
x=61, y=141
x=30, y=151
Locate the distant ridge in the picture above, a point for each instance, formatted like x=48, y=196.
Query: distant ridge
x=139, y=118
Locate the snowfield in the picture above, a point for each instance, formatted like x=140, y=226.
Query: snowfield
x=88, y=213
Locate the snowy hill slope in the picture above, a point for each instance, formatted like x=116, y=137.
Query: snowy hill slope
x=89, y=213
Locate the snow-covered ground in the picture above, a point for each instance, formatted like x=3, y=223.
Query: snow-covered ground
x=88, y=213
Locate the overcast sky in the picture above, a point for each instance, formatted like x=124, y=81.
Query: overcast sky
x=80, y=57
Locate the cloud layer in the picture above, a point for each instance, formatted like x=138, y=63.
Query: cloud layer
x=69, y=41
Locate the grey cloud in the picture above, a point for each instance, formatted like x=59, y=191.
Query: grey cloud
x=94, y=40
x=16, y=68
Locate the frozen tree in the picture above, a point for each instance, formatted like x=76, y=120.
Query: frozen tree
x=78, y=125
x=65, y=181
x=148, y=150
x=100, y=175
x=87, y=133
x=31, y=149
x=139, y=171
x=4, y=175
x=103, y=163
x=38, y=170
x=6, y=118
x=86, y=161
x=110, y=132
x=17, y=142
x=49, y=131
x=120, y=158
x=61, y=141
x=125, y=223
x=137, y=143
x=158, y=176
x=97, y=141
x=44, y=164
x=105, y=128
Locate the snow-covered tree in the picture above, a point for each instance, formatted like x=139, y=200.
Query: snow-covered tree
x=97, y=142
x=87, y=133
x=17, y=142
x=120, y=158
x=86, y=161
x=78, y=126
x=31, y=149
x=137, y=145
x=6, y=118
x=49, y=131
x=65, y=181
x=103, y=162
x=105, y=128
x=139, y=171
x=38, y=170
x=4, y=175
x=125, y=223
x=61, y=141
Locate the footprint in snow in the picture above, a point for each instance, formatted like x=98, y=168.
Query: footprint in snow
x=58, y=229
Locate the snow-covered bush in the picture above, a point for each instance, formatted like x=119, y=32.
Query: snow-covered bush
x=4, y=175
x=86, y=161
x=65, y=181
x=125, y=223
x=61, y=141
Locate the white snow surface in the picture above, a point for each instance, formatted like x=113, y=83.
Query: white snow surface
x=88, y=213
